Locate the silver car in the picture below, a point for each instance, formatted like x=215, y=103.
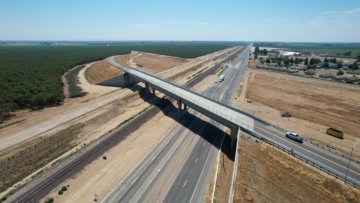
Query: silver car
x=295, y=137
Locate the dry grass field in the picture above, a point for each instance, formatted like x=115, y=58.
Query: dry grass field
x=327, y=103
x=17, y=164
x=266, y=174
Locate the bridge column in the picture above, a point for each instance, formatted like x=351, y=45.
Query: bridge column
x=128, y=80
x=179, y=103
x=147, y=87
x=185, y=107
x=234, y=133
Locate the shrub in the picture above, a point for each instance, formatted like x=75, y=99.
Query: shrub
x=49, y=200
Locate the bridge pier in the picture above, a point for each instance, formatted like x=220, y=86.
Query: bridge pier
x=147, y=87
x=128, y=80
x=179, y=103
x=234, y=133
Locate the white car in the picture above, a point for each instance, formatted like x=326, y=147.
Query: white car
x=294, y=136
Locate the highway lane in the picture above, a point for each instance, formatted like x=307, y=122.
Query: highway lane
x=202, y=157
x=197, y=176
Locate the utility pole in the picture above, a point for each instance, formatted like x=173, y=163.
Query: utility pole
x=352, y=150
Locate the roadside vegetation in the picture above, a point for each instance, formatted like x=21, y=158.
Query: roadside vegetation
x=30, y=76
x=16, y=165
x=73, y=81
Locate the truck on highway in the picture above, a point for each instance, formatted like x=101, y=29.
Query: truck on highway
x=221, y=78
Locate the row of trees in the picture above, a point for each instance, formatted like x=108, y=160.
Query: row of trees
x=312, y=63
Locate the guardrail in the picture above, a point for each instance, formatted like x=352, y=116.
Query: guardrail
x=303, y=158
x=335, y=151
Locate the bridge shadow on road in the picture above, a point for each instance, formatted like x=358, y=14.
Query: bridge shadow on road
x=206, y=130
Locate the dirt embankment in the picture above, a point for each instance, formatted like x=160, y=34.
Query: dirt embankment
x=333, y=105
x=266, y=174
x=100, y=72
x=157, y=63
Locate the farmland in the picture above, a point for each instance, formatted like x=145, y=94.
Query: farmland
x=332, y=49
x=30, y=76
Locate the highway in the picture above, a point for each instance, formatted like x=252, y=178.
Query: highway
x=192, y=153
x=187, y=180
x=179, y=169
x=37, y=189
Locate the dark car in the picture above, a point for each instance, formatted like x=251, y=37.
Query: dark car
x=295, y=137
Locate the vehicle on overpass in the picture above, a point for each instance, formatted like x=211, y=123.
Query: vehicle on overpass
x=294, y=136
x=221, y=78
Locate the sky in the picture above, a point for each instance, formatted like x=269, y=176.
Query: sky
x=206, y=20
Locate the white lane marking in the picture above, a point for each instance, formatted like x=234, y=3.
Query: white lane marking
x=153, y=158
x=132, y=183
x=196, y=160
x=217, y=169
x=202, y=171
x=184, y=183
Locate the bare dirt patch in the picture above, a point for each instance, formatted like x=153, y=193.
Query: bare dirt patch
x=330, y=104
x=266, y=174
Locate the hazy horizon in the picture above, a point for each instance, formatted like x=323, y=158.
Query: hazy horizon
x=270, y=21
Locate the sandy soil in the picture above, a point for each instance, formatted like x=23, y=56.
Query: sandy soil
x=315, y=105
x=88, y=86
x=100, y=175
x=268, y=175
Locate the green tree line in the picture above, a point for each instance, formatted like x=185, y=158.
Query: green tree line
x=30, y=76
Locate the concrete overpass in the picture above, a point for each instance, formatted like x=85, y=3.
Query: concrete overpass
x=222, y=113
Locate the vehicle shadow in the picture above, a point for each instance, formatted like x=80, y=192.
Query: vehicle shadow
x=195, y=124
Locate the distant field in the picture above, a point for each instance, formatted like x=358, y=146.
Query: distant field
x=331, y=104
x=331, y=49
x=30, y=76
